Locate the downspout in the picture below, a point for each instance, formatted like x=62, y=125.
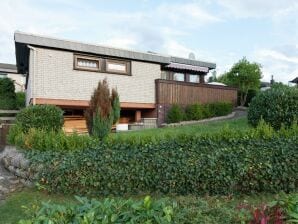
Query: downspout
x=32, y=73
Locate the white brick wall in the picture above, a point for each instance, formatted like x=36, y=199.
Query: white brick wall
x=55, y=78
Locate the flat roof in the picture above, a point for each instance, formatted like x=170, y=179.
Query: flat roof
x=23, y=39
x=10, y=68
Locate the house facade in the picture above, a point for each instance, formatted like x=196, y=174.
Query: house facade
x=10, y=71
x=65, y=73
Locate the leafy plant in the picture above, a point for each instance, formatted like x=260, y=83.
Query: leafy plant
x=175, y=114
x=194, y=112
x=20, y=100
x=43, y=117
x=277, y=106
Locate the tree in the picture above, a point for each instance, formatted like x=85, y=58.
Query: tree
x=7, y=94
x=245, y=76
x=213, y=77
x=103, y=110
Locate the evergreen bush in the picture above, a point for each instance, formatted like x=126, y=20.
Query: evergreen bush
x=7, y=94
x=175, y=114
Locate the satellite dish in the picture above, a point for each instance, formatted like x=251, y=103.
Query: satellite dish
x=191, y=56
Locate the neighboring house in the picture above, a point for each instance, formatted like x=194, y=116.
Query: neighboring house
x=295, y=81
x=65, y=73
x=10, y=71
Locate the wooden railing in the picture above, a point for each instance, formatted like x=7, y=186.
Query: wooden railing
x=184, y=93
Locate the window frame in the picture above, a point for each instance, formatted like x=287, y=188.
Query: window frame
x=84, y=57
x=116, y=61
x=197, y=77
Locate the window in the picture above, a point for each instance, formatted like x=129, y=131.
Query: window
x=119, y=67
x=194, y=78
x=86, y=63
x=179, y=77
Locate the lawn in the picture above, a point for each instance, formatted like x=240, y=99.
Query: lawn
x=238, y=124
x=12, y=210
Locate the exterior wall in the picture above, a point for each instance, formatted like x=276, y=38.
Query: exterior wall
x=55, y=78
x=19, y=81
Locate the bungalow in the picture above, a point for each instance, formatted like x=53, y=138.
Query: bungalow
x=65, y=73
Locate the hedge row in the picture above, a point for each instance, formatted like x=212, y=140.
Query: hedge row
x=258, y=160
x=198, y=111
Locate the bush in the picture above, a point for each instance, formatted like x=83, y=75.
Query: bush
x=276, y=106
x=175, y=114
x=20, y=100
x=194, y=112
x=43, y=117
x=229, y=162
x=7, y=94
x=250, y=95
x=220, y=108
x=43, y=140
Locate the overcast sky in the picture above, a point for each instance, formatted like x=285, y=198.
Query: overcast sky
x=220, y=31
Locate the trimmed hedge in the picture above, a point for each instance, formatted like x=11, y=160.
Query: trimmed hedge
x=277, y=106
x=43, y=117
x=258, y=160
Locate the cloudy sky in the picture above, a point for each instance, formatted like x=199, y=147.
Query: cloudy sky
x=221, y=31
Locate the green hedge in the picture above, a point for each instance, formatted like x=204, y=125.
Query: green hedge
x=45, y=117
x=277, y=106
x=197, y=111
x=258, y=160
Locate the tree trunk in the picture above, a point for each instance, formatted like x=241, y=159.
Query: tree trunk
x=243, y=97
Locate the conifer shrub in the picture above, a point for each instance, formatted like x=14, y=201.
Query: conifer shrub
x=103, y=110
x=194, y=112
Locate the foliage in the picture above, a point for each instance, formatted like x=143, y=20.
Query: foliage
x=45, y=117
x=43, y=140
x=194, y=112
x=103, y=110
x=106, y=211
x=197, y=111
x=245, y=76
x=228, y=162
x=277, y=106
x=7, y=94
x=175, y=114
x=219, y=109
x=20, y=100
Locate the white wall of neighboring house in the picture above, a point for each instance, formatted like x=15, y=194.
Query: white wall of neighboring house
x=19, y=81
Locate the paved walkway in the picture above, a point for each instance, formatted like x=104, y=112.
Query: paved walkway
x=8, y=182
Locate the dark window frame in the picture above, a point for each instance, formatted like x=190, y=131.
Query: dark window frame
x=90, y=58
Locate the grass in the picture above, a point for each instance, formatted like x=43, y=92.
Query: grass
x=239, y=124
x=12, y=210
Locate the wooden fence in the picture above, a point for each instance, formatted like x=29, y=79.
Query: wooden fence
x=170, y=92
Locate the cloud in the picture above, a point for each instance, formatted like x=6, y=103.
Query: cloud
x=259, y=9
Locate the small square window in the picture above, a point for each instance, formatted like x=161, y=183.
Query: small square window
x=194, y=78
x=179, y=77
x=86, y=63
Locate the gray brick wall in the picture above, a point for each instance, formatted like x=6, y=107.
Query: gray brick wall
x=55, y=78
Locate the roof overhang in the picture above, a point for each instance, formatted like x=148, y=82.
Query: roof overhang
x=8, y=68
x=22, y=40
x=187, y=68
x=295, y=80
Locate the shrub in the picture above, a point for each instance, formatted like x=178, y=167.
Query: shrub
x=229, y=162
x=220, y=108
x=194, y=112
x=103, y=111
x=48, y=140
x=276, y=106
x=250, y=95
x=20, y=100
x=7, y=94
x=175, y=114
x=45, y=117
